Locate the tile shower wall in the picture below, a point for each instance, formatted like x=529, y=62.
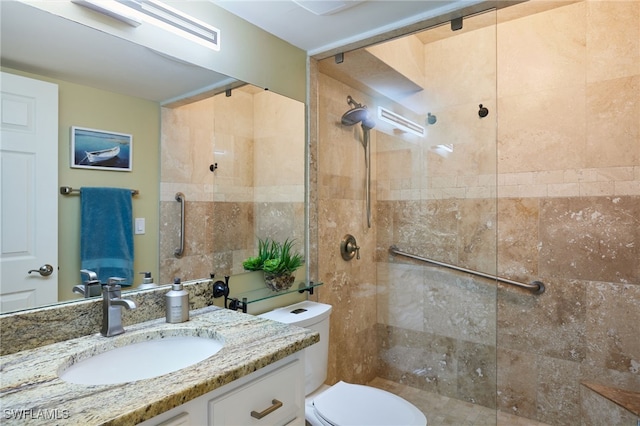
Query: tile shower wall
x=564, y=207
x=349, y=287
x=569, y=208
x=256, y=191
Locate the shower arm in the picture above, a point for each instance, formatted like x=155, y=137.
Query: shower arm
x=352, y=103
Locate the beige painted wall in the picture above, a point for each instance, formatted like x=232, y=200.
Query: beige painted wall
x=97, y=109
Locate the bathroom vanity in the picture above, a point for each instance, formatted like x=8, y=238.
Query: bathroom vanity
x=258, y=373
x=273, y=395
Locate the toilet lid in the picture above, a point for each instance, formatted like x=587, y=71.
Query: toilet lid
x=345, y=404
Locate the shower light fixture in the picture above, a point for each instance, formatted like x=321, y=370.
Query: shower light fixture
x=400, y=122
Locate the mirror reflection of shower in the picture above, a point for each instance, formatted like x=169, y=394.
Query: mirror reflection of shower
x=360, y=114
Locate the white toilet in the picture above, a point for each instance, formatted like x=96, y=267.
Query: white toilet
x=342, y=404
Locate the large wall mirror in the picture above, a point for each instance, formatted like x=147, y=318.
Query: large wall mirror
x=184, y=119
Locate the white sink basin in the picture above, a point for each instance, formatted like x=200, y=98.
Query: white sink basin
x=141, y=360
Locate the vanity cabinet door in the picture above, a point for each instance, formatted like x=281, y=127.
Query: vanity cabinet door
x=276, y=398
x=232, y=404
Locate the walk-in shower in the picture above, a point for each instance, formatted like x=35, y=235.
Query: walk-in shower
x=360, y=114
x=478, y=190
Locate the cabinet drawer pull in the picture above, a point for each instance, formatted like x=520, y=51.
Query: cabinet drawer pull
x=276, y=404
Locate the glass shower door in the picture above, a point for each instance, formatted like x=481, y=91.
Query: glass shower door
x=432, y=96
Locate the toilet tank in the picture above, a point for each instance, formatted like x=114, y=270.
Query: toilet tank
x=315, y=316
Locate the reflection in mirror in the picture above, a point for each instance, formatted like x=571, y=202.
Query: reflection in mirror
x=97, y=109
x=254, y=139
x=98, y=94
x=95, y=93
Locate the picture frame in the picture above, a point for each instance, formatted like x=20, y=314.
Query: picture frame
x=101, y=149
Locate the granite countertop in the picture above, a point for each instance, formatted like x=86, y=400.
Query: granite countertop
x=30, y=383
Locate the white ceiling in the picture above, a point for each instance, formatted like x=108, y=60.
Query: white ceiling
x=316, y=34
x=36, y=41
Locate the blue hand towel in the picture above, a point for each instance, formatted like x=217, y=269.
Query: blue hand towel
x=106, y=241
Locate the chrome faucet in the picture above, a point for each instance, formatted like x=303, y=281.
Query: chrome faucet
x=91, y=287
x=112, y=303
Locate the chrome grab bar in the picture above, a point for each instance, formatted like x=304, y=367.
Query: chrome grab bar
x=536, y=287
x=180, y=198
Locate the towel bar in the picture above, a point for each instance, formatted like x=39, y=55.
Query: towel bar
x=67, y=190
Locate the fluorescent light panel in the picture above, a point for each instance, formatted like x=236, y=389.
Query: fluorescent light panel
x=134, y=12
x=176, y=19
x=112, y=9
x=400, y=122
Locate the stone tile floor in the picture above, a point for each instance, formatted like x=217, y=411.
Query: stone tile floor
x=442, y=410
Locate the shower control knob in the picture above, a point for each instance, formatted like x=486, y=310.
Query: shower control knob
x=349, y=247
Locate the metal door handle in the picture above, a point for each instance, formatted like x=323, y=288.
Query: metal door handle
x=276, y=404
x=45, y=270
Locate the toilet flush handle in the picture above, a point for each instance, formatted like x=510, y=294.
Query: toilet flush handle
x=349, y=247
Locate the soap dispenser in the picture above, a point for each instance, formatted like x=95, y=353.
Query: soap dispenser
x=147, y=281
x=177, y=303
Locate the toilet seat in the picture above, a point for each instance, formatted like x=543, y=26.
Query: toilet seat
x=346, y=404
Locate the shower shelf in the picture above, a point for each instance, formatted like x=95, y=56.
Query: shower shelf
x=242, y=300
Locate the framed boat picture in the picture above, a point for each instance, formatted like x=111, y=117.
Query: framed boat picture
x=101, y=149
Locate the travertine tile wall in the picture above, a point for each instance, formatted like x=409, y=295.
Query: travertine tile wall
x=546, y=187
x=349, y=287
x=436, y=329
x=186, y=136
x=569, y=208
x=256, y=191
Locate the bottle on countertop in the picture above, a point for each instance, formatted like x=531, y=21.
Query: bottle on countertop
x=147, y=281
x=177, y=303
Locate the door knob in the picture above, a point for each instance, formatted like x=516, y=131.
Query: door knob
x=45, y=270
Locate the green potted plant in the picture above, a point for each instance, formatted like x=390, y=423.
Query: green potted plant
x=277, y=260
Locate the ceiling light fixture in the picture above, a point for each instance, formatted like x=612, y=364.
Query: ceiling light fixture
x=176, y=19
x=113, y=9
x=323, y=8
x=134, y=12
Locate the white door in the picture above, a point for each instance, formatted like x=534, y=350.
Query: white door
x=29, y=198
